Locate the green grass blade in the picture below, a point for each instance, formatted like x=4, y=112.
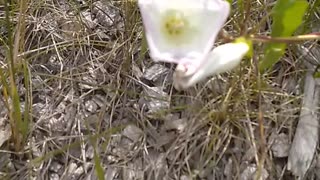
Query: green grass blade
x=97, y=165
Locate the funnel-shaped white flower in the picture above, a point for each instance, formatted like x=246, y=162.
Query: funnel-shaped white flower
x=182, y=31
x=223, y=58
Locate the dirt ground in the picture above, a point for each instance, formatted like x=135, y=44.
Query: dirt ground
x=100, y=108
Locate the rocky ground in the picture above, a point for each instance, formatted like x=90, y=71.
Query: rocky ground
x=101, y=108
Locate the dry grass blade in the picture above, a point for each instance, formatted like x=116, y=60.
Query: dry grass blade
x=95, y=106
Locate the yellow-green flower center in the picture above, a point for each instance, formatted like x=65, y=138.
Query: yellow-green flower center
x=175, y=24
x=176, y=27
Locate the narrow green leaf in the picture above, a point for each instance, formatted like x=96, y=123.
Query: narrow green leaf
x=28, y=102
x=287, y=17
x=98, y=167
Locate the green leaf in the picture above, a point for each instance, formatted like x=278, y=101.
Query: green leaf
x=98, y=167
x=273, y=53
x=287, y=16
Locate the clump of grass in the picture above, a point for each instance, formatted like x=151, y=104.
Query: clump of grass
x=229, y=118
x=16, y=65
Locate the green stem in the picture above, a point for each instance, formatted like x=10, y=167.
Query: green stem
x=293, y=39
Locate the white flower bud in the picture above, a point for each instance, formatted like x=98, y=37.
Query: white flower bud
x=221, y=59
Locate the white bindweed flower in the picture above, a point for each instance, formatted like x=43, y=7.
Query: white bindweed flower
x=182, y=31
x=221, y=59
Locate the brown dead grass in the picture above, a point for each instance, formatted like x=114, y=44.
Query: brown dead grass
x=86, y=90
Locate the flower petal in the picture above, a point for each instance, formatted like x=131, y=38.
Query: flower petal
x=182, y=31
x=223, y=58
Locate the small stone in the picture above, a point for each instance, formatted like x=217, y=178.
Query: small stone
x=156, y=99
x=157, y=161
x=72, y=167
x=185, y=177
x=133, y=170
x=88, y=79
x=4, y=160
x=111, y=173
x=132, y=132
x=5, y=131
x=79, y=171
x=112, y=159
x=178, y=124
x=164, y=139
x=228, y=169
x=106, y=14
x=90, y=152
x=54, y=176
x=99, y=100
x=280, y=145
x=87, y=19
x=102, y=35
x=155, y=72
x=91, y=106
x=251, y=171
x=249, y=155
x=218, y=85
x=55, y=167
